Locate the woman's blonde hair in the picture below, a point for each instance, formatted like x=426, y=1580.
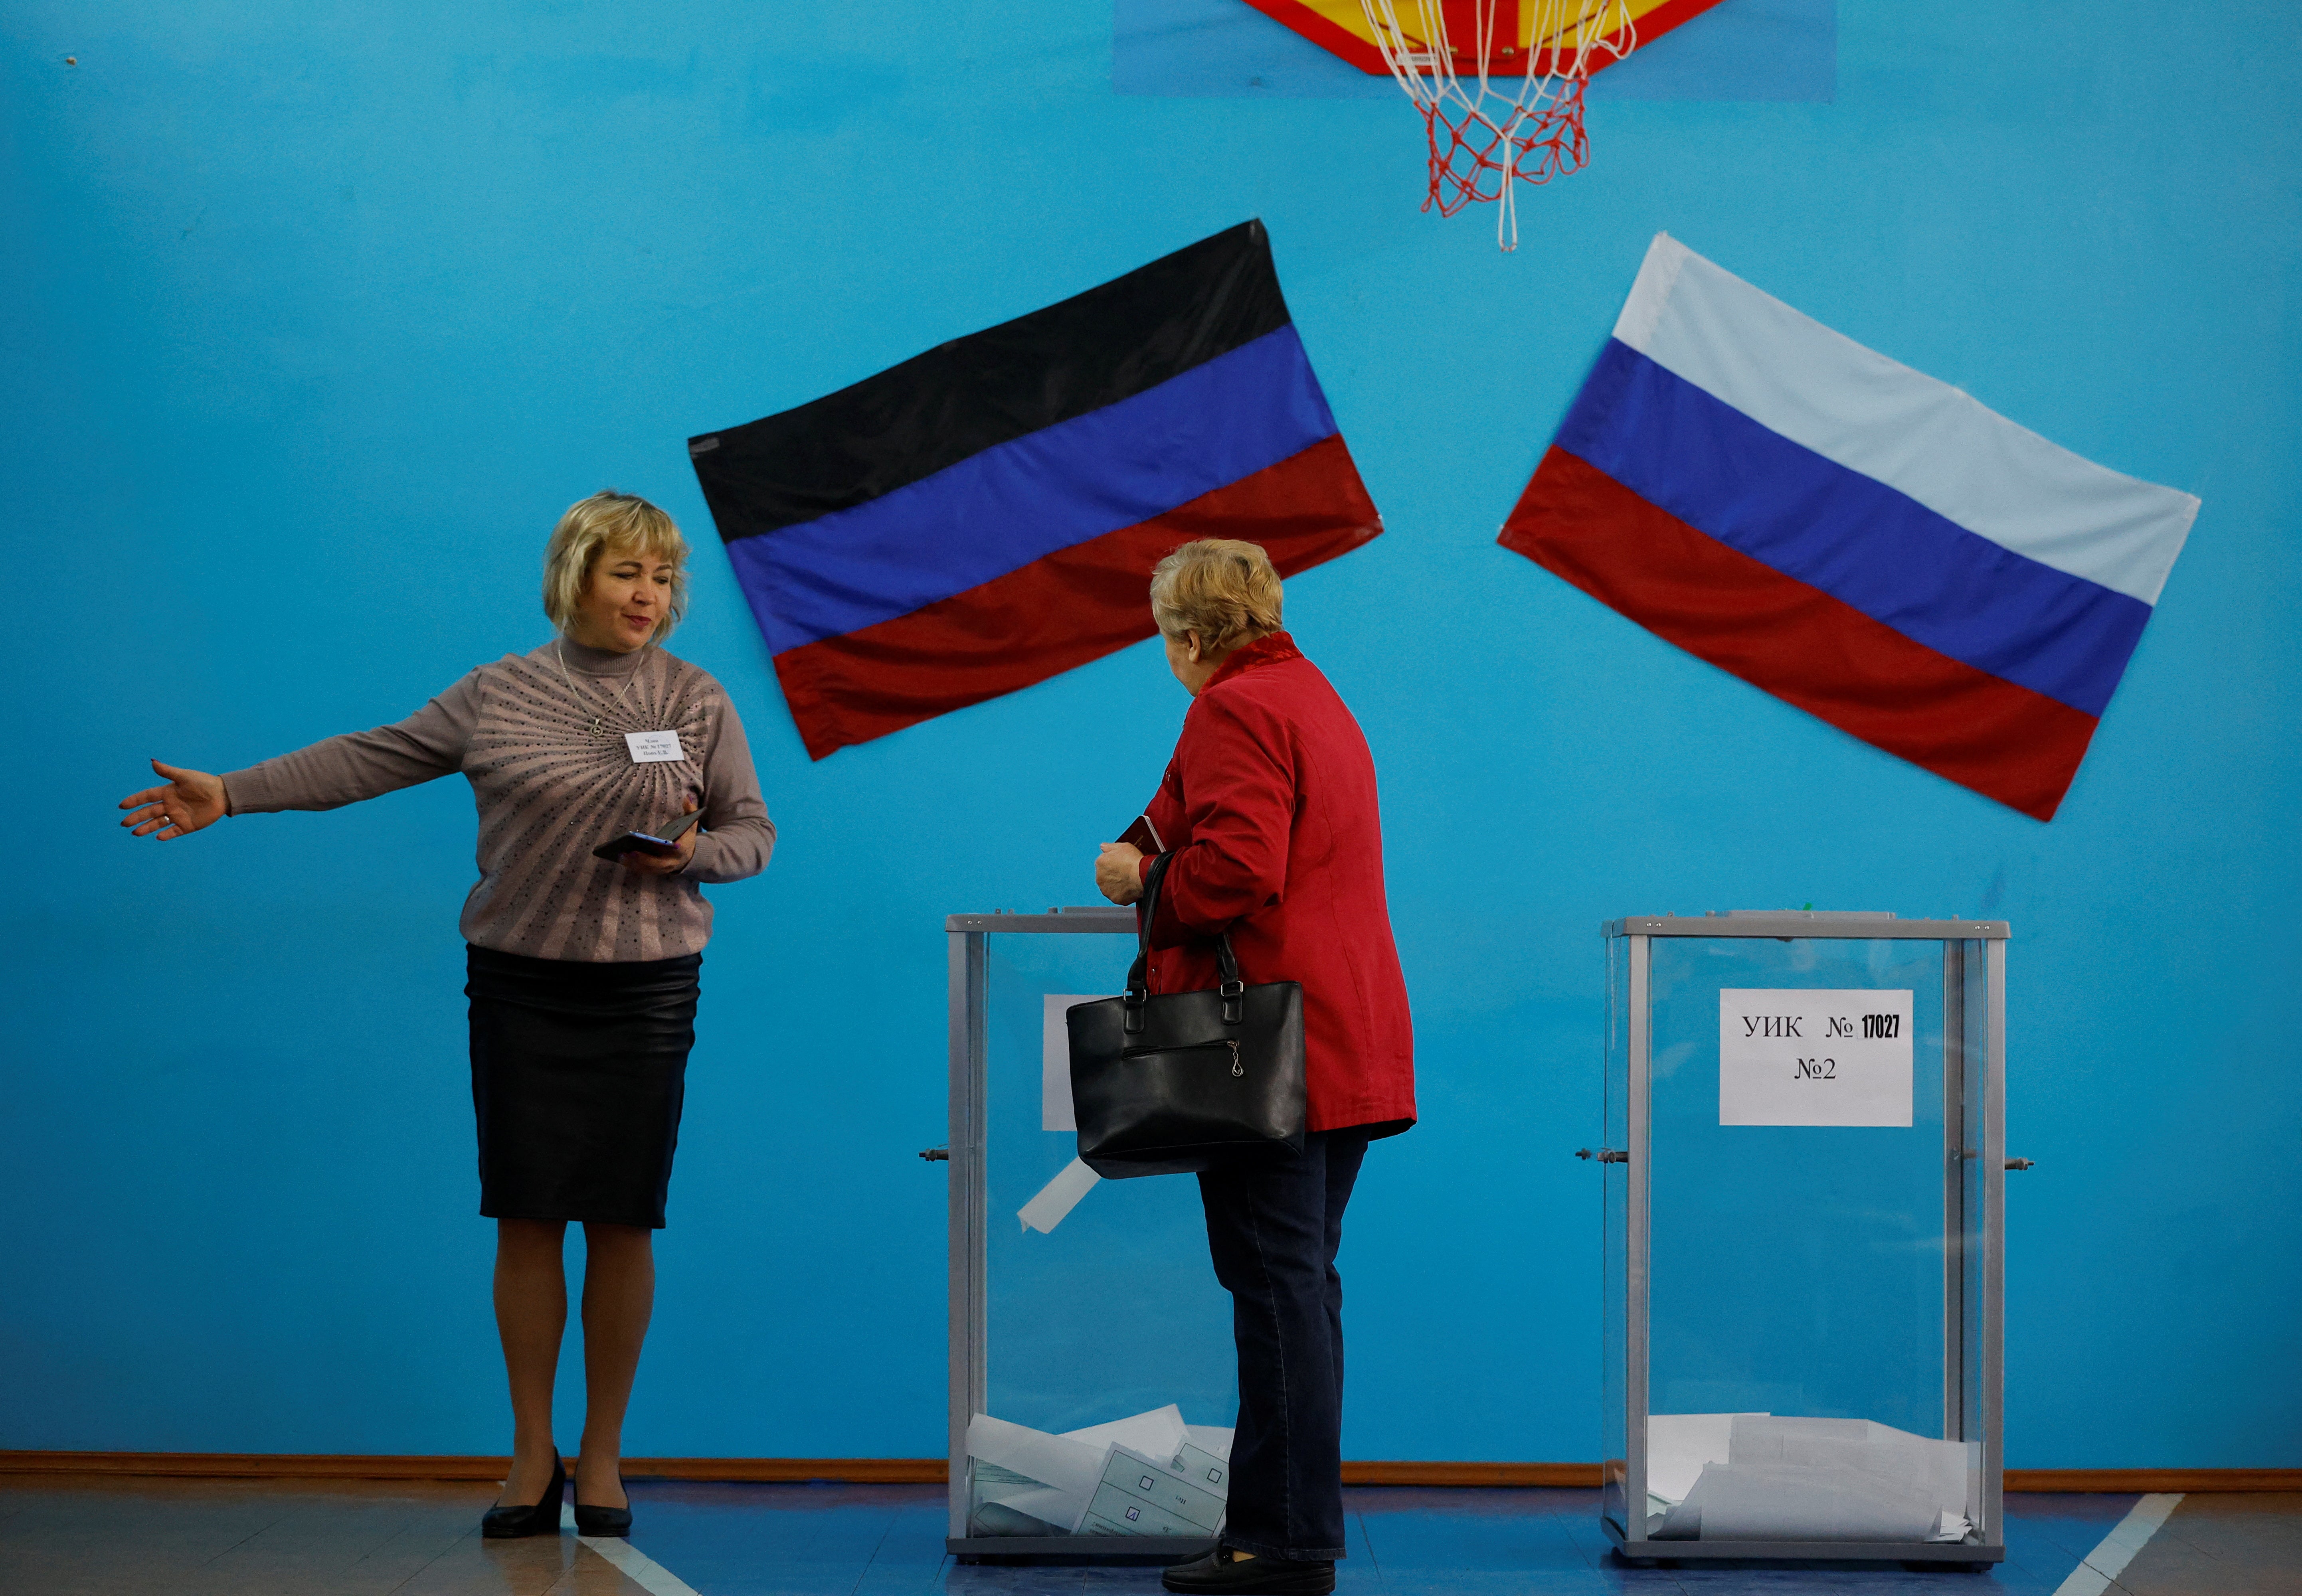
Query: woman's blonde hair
x=593, y=526
x=1225, y=590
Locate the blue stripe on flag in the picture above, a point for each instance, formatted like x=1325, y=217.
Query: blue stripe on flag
x=999, y=510
x=1862, y=542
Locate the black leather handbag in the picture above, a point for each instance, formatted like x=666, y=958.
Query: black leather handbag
x=1169, y=1084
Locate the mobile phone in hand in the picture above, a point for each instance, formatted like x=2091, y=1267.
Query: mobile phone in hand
x=662, y=840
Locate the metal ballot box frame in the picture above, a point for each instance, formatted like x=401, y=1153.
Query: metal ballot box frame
x=1181, y=1298
x=1760, y=1257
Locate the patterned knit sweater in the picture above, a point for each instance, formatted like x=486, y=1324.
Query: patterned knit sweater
x=551, y=789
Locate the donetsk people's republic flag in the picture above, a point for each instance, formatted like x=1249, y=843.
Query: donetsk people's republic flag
x=1851, y=536
x=987, y=514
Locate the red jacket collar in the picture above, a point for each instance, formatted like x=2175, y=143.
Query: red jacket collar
x=1263, y=651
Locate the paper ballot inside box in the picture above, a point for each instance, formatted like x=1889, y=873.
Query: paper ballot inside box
x=1158, y=1433
x=1047, y=1478
x=1091, y=1481
x=1211, y=1439
x=1678, y=1444
x=1804, y=1479
x=1147, y=1496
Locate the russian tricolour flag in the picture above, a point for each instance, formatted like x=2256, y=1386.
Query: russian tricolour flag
x=987, y=514
x=1851, y=536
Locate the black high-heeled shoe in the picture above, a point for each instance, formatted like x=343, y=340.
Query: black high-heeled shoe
x=509, y=1524
x=603, y=1521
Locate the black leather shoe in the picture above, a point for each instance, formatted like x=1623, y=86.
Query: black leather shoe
x=1218, y=1572
x=509, y=1524
x=604, y=1521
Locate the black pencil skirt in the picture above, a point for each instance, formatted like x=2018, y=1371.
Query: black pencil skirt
x=578, y=1070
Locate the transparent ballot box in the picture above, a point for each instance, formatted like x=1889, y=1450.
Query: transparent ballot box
x=1094, y=1383
x=1803, y=1169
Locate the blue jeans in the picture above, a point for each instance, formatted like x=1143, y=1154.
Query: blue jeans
x=1274, y=1226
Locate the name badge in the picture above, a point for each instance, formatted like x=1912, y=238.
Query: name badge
x=649, y=748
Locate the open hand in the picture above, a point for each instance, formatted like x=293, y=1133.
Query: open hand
x=192, y=801
x=643, y=861
x=1118, y=873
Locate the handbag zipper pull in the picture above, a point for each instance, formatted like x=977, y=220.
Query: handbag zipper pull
x=1233, y=1046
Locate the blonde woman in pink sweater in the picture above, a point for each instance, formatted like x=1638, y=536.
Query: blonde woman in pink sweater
x=582, y=970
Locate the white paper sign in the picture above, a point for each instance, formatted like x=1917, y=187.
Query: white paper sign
x=648, y=748
x=1055, y=1059
x=1809, y=1057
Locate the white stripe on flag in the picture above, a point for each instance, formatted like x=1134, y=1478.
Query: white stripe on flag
x=1964, y=461
x=2108, y=1560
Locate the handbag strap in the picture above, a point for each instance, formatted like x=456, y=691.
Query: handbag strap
x=1233, y=990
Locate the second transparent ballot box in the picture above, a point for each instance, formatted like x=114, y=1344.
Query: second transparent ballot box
x=1093, y=1383
x=1803, y=1168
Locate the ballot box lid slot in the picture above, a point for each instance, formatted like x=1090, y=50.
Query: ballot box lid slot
x=1817, y=924
x=1107, y=917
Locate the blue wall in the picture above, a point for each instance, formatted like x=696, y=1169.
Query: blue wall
x=317, y=313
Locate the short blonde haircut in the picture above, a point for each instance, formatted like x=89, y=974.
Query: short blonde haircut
x=1225, y=590
x=609, y=520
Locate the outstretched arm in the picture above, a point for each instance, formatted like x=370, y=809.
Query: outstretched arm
x=336, y=771
x=358, y=765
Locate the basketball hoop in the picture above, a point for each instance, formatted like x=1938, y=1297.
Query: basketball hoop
x=1484, y=137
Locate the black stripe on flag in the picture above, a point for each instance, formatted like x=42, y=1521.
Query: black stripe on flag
x=964, y=396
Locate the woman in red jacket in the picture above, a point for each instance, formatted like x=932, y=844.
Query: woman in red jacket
x=1269, y=805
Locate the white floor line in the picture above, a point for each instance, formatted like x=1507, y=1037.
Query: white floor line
x=2108, y=1560
x=635, y=1565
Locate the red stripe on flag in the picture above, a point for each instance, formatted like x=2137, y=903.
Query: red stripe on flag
x=1075, y=605
x=1796, y=641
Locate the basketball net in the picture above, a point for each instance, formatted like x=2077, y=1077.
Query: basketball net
x=1454, y=61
